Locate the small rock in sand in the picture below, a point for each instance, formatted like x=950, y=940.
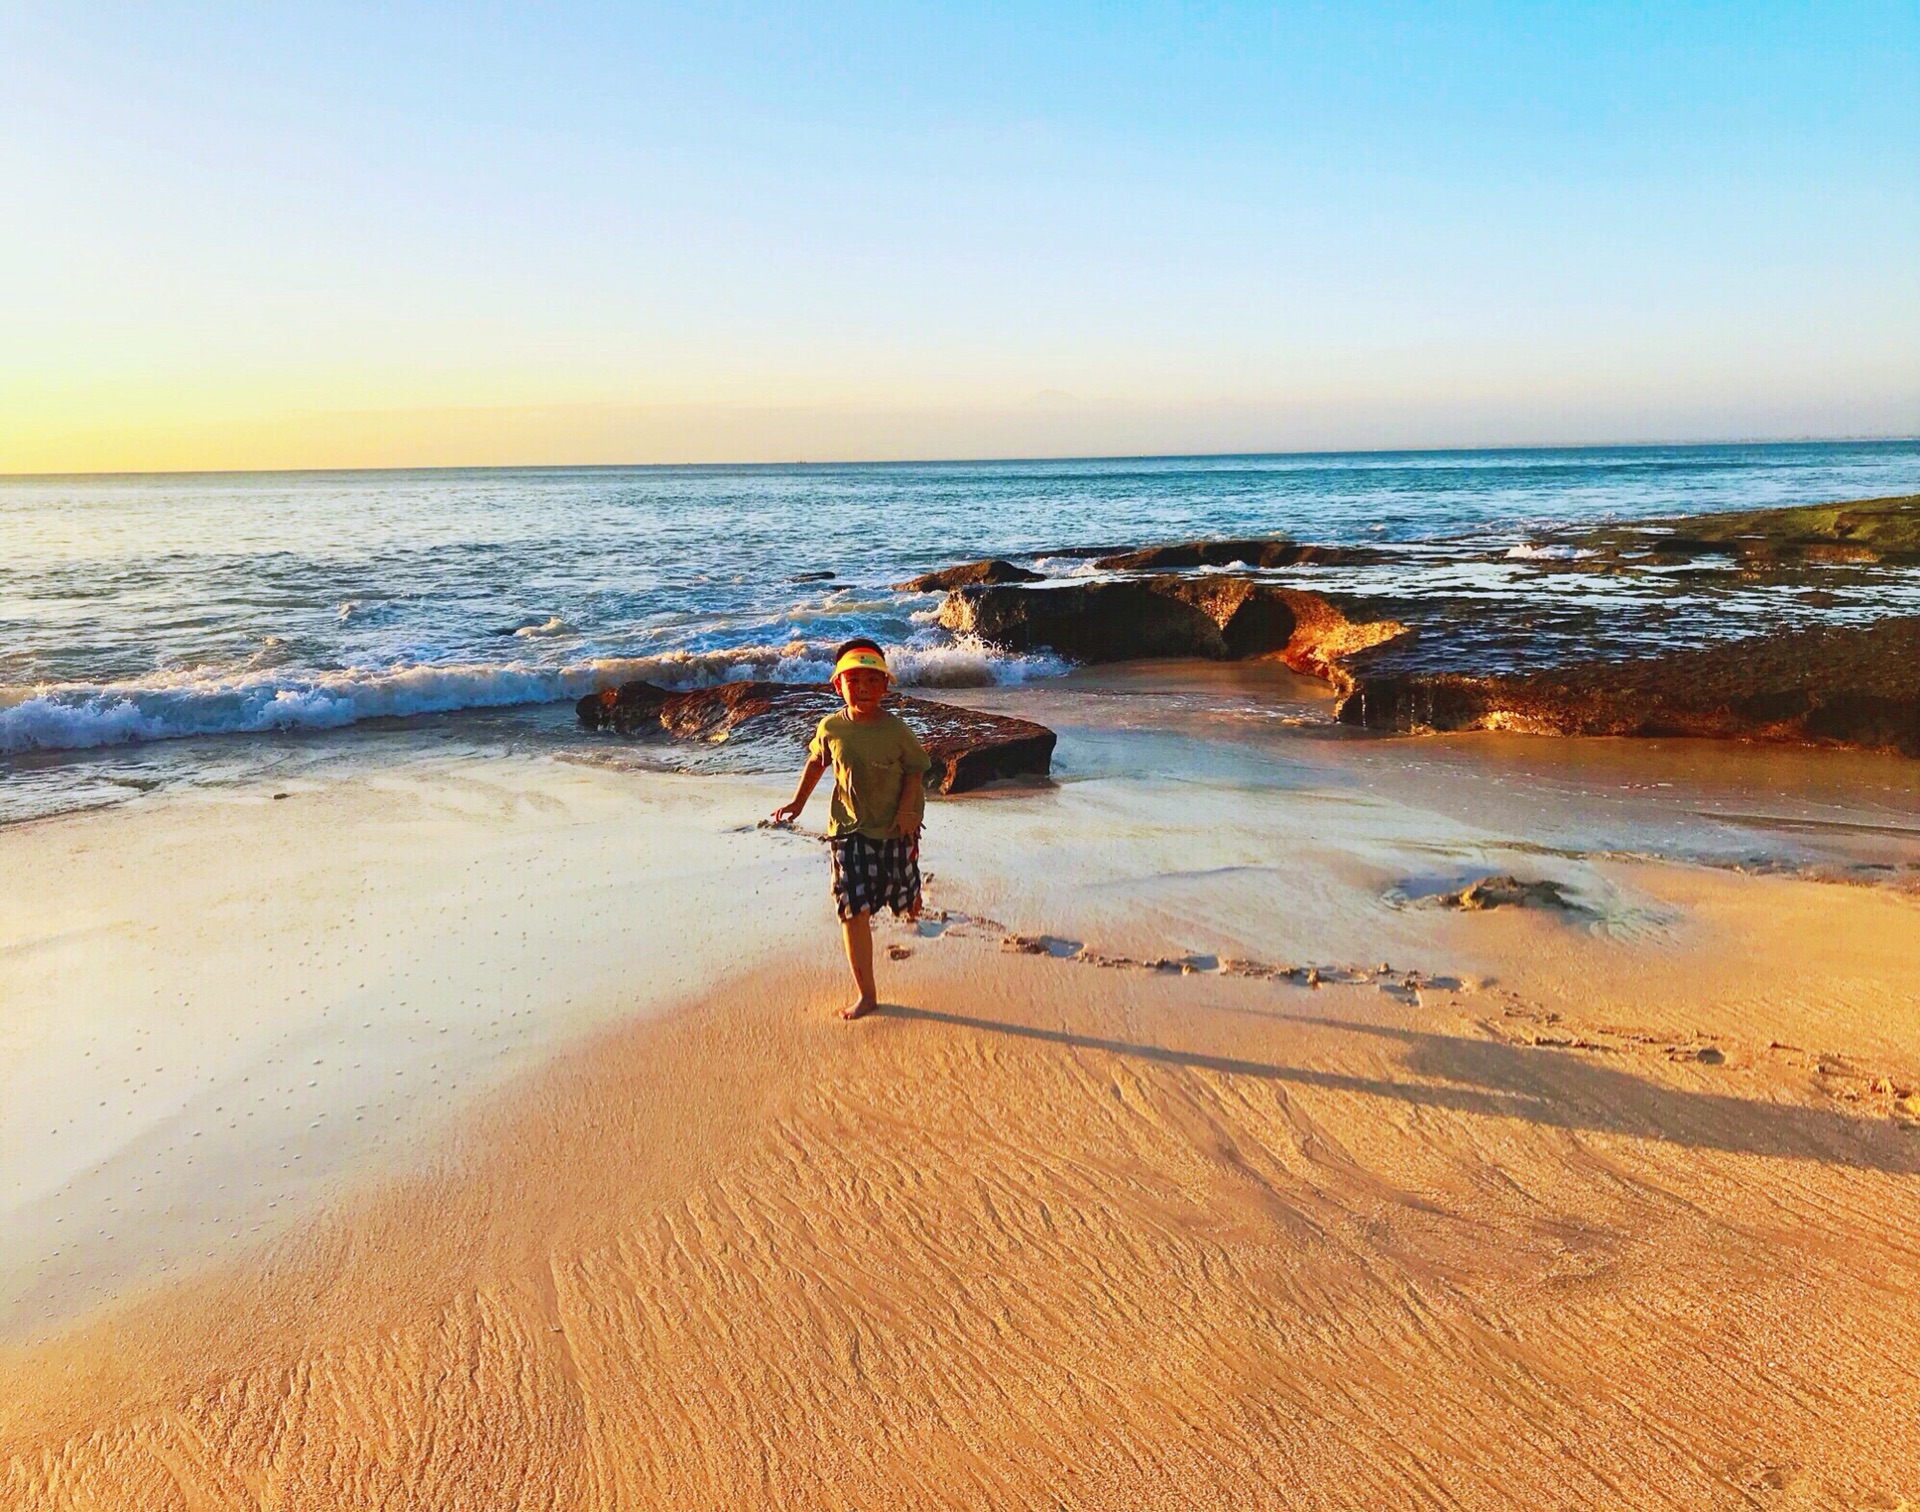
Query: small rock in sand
x=1507, y=892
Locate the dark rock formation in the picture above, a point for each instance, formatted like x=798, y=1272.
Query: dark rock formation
x=1089, y=622
x=1216, y=617
x=993, y=570
x=1256, y=553
x=969, y=748
x=1827, y=686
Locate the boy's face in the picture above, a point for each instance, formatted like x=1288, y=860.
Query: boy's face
x=862, y=688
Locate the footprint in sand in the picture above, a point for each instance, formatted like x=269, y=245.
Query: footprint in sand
x=1756, y=1476
x=1048, y=945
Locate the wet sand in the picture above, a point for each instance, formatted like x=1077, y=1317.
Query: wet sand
x=1613, y=1208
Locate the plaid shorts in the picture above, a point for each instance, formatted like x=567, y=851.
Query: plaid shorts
x=870, y=874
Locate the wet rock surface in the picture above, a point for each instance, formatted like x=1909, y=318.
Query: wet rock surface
x=1825, y=686
x=969, y=748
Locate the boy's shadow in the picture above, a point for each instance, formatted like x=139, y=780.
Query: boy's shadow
x=1546, y=1086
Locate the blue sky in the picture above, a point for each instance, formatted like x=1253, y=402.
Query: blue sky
x=301, y=235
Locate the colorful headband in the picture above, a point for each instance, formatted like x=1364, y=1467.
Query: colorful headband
x=861, y=658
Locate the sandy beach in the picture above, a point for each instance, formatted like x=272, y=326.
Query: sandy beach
x=596, y=1203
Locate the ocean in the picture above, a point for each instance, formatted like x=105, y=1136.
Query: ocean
x=139, y=609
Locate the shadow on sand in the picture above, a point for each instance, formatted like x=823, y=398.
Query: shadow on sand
x=1551, y=1087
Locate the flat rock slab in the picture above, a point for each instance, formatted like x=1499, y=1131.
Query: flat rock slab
x=969, y=748
x=1827, y=686
x=1862, y=532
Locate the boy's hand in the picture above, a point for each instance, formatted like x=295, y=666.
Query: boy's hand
x=905, y=827
x=786, y=813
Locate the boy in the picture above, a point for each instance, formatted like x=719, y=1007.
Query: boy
x=879, y=797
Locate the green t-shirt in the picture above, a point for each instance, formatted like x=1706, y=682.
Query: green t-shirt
x=870, y=758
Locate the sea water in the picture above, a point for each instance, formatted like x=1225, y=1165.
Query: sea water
x=134, y=609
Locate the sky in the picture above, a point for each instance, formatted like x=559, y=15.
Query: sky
x=293, y=235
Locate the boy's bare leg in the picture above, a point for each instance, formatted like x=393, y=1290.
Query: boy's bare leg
x=857, y=933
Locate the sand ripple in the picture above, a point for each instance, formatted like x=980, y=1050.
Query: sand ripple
x=1093, y=1239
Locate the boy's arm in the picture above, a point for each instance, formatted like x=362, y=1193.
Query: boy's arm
x=912, y=807
x=809, y=778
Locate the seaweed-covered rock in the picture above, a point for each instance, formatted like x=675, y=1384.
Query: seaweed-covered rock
x=1862, y=532
x=969, y=748
x=1825, y=686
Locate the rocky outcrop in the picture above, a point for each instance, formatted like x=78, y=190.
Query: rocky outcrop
x=1272, y=552
x=969, y=748
x=1218, y=617
x=992, y=570
x=1827, y=686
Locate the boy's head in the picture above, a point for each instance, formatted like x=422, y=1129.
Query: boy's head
x=860, y=675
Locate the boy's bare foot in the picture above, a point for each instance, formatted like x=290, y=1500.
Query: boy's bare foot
x=859, y=1009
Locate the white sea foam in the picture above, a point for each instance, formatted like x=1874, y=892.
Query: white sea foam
x=1076, y=567
x=72, y=716
x=968, y=663
x=1535, y=553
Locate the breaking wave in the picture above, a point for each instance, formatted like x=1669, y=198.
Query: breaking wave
x=75, y=716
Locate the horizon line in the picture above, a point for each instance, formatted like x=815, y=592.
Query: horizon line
x=1014, y=461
